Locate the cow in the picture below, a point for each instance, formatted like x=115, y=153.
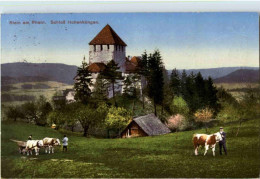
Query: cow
x=49, y=143
x=207, y=141
x=33, y=145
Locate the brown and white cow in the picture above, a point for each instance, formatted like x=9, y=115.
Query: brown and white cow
x=49, y=143
x=33, y=145
x=207, y=141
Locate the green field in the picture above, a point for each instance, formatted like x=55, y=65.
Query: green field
x=170, y=155
x=237, y=89
x=48, y=93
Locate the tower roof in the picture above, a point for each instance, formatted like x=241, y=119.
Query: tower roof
x=107, y=36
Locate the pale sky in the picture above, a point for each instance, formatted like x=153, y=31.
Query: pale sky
x=186, y=40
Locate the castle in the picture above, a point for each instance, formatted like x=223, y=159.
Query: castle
x=107, y=45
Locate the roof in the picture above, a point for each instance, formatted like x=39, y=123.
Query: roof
x=107, y=36
x=151, y=125
x=135, y=60
x=96, y=67
x=130, y=67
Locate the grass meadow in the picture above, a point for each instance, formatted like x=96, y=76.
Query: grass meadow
x=170, y=155
x=238, y=89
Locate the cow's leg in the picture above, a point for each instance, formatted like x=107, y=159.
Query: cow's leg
x=53, y=150
x=196, y=150
x=46, y=150
x=206, y=149
x=49, y=149
x=213, y=150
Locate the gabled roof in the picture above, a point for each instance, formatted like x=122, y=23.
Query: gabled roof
x=135, y=60
x=96, y=67
x=130, y=67
x=107, y=36
x=151, y=125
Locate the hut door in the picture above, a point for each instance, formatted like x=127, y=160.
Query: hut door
x=128, y=133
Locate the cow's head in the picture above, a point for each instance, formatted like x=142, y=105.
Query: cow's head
x=56, y=142
x=218, y=137
x=40, y=143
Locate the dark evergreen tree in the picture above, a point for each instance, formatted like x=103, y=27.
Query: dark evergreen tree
x=113, y=75
x=183, y=83
x=142, y=70
x=100, y=91
x=175, y=83
x=155, y=78
x=132, y=88
x=211, y=95
x=200, y=90
x=82, y=83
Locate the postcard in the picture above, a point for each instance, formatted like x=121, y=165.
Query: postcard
x=130, y=95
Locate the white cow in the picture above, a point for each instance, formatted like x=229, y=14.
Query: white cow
x=33, y=145
x=207, y=141
x=49, y=143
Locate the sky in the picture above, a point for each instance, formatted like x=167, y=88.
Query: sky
x=186, y=40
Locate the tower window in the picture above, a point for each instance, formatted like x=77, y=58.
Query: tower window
x=108, y=47
x=94, y=48
x=101, y=47
x=116, y=47
x=119, y=47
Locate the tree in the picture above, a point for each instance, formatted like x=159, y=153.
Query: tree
x=100, y=91
x=155, y=78
x=30, y=111
x=70, y=116
x=183, y=83
x=211, y=95
x=14, y=112
x=117, y=118
x=179, y=106
x=56, y=117
x=44, y=108
x=132, y=88
x=82, y=83
x=175, y=83
x=113, y=75
x=143, y=71
x=89, y=116
x=203, y=115
x=200, y=91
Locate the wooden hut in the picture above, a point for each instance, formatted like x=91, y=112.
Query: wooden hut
x=147, y=125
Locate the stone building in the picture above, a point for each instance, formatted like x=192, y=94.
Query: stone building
x=107, y=46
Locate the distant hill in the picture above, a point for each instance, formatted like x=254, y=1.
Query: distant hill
x=36, y=72
x=240, y=76
x=29, y=72
x=215, y=72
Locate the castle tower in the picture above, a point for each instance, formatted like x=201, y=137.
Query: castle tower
x=107, y=45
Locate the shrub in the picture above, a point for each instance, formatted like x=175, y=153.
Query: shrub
x=178, y=123
x=179, y=106
x=14, y=112
x=203, y=115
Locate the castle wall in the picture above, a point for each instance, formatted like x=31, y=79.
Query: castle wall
x=99, y=55
x=105, y=55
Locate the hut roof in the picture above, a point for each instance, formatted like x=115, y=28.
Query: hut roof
x=151, y=125
x=107, y=36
